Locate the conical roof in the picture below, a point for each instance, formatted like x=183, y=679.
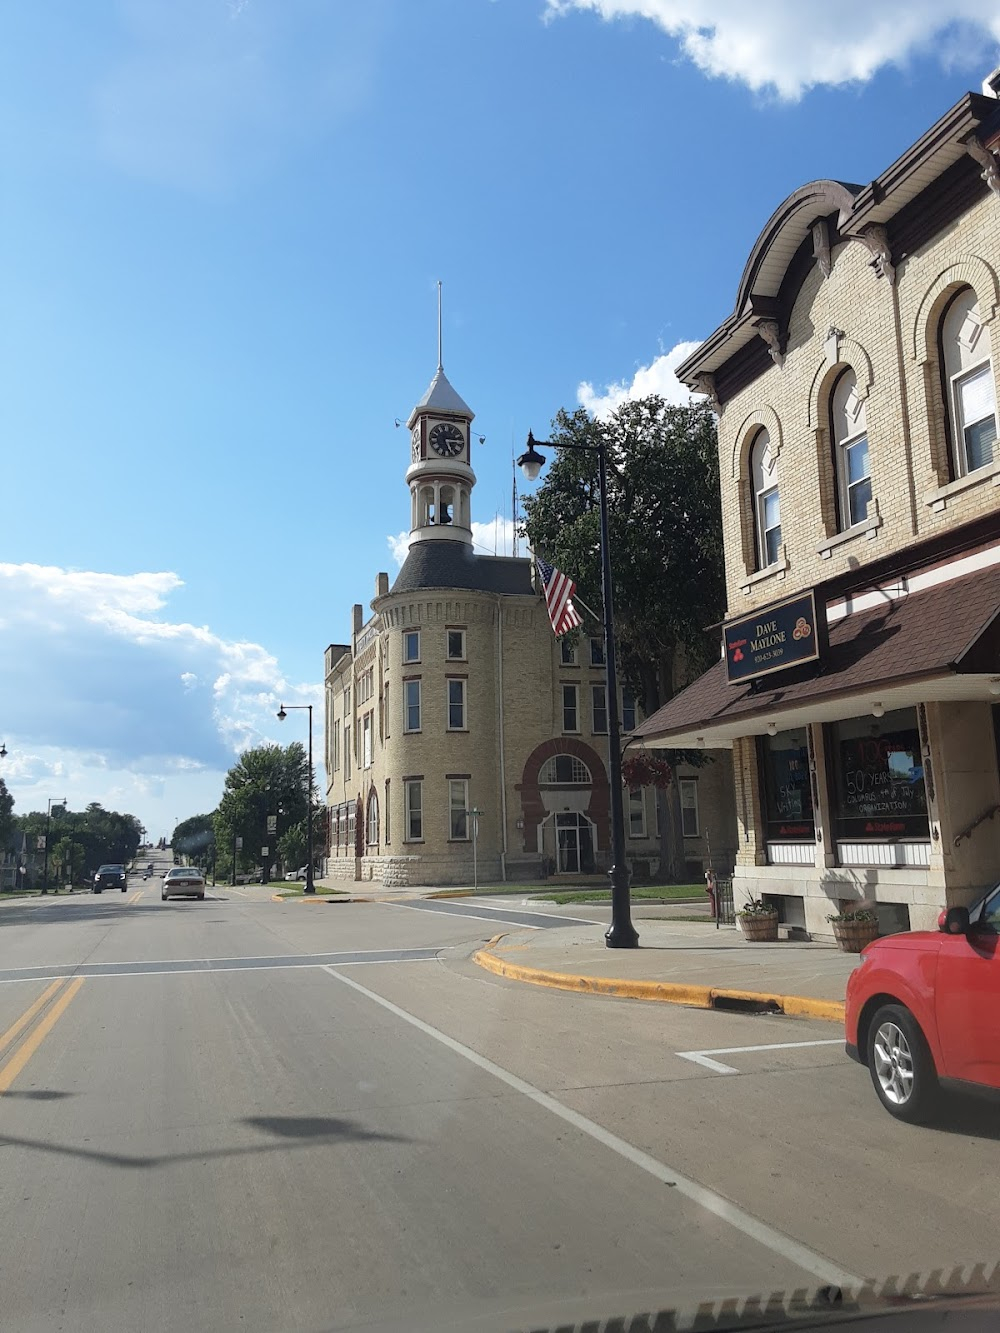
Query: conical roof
x=441, y=397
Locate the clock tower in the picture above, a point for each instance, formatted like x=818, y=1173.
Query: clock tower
x=440, y=475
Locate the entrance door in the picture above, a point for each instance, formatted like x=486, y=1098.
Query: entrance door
x=574, y=845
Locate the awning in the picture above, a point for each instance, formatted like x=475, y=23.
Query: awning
x=941, y=643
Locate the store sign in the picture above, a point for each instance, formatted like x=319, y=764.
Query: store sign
x=772, y=639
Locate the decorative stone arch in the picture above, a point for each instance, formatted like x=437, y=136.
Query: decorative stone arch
x=850, y=354
x=371, y=807
x=968, y=271
x=760, y=416
x=532, y=806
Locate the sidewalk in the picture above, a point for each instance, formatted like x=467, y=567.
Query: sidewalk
x=679, y=963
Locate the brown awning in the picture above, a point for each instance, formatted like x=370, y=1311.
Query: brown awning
x=947, y=631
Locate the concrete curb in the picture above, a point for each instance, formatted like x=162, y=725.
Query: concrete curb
x=664, y=992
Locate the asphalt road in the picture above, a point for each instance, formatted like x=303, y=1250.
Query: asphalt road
x=240, y=1114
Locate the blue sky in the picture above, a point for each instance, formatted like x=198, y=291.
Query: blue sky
x=223, y=223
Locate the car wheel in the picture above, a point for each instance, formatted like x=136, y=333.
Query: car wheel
x=901, y=1065
x=201, y=897
x=97, y=890
x=163, y=896
x=124, y=887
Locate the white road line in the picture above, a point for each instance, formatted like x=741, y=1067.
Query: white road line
x=238, y=958
x=470, y=915
x=713, y=1203
x=705, y=1057
x=552, y=915
x=502, y=914
x=212, y=971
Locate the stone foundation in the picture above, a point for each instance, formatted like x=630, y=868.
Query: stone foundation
x=393, y=872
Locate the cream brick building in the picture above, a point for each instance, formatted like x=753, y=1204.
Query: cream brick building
x=856, y=389
x=454, y=697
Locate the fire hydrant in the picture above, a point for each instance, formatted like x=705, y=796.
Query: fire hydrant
x=710, y=890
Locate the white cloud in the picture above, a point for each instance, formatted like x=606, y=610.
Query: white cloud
x=658, y=377
x=493, y=538
x=398, y=547
x=788, y=46
x=106, y=693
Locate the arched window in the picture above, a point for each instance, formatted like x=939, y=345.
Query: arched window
x=970, y=390
x=849, y=432
x=766, y=502
x=372, y=838
x=564, y=770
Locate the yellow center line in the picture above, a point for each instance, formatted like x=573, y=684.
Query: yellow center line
x=135, y=897
x=30, y=1012
x=16, y=1062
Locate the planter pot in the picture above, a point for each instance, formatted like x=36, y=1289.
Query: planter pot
x=853, y=936
x=760, y=928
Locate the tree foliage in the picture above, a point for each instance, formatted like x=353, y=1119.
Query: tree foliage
x=266, y=780
x=78, y=840
x=665, y=529
x=6, y=816
x=194, y=838
x=665, y=524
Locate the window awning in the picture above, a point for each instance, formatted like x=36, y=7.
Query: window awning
x=941, y=643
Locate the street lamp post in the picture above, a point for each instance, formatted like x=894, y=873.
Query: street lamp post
x=57, y=800
x=621, y=934
x=474, y=815
x=310, y=887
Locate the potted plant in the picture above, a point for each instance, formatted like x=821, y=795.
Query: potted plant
x=854, y=929
x=758, y=920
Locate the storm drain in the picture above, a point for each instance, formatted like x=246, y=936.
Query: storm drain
x=742, y=1004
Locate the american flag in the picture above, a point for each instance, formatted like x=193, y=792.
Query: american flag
x=559, y=590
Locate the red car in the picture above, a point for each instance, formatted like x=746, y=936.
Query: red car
x=923, y=1009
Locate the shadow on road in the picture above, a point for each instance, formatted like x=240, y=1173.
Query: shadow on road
x=969, y=1114
x=310, y=1131
x=40, y=1095
x=96, y=907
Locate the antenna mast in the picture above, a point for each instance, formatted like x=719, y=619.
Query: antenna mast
x=513, y=494
x=440, y=362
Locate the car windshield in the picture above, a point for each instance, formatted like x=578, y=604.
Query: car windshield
x=563, y=941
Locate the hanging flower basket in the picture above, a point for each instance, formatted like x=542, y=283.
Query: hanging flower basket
x=758, y=921
x=854, y=931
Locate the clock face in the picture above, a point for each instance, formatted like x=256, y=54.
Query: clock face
x=447, y=439
x=415, y=442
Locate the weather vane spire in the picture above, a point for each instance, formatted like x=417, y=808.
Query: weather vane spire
x=440, y=362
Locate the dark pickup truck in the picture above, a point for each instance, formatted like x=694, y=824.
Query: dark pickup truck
x=110, y=877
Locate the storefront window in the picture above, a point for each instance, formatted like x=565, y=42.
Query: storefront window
x=878, y=777
x=788, y=808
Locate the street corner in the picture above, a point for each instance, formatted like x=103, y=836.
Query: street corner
x=494, y=958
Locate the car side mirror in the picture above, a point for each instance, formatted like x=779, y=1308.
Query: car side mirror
x=956, y=921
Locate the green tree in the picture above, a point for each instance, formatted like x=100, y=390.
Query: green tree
x=6, y=818
x=101, y=836
x=665, y=527
x=266, y=780
x=194, y=839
